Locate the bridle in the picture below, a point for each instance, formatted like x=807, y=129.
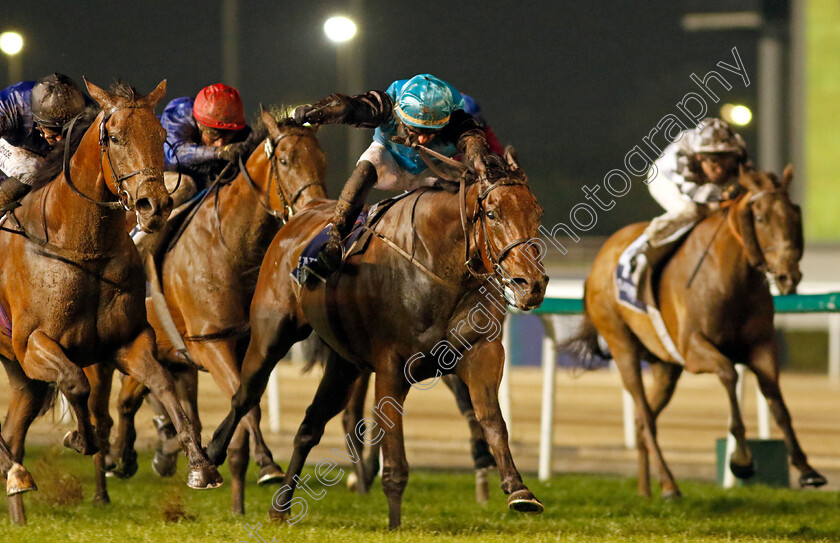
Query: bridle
x=494, y=256
x=289, y=201
x=126, y=201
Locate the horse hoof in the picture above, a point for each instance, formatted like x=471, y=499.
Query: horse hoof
x=277, y=516
x=672, y=495
x=523, y=501
x=270, y=474
x=74, y=440
x=102, y=500
x=812, y=478
x=742, y=472
x=165, y=465
x=18, y=480
x=204, y=477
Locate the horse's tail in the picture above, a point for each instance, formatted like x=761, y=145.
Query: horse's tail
x=583, y=344
x=315, y=352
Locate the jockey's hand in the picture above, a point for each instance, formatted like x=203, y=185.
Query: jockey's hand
x=329, y=258
x=307, y=114
x=232, y=151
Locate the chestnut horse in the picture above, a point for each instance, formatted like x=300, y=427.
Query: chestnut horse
x=409, y=292
x=723, y=317
x=209, y=278
x=73, y=284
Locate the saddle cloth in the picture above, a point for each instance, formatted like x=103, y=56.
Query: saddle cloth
x=637, y=277
x=367, y=219
x=310, y=253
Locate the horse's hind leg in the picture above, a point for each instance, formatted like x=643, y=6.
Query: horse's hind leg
x=626, y=352
x=482, y=457
x=360, y=480
x=138, y=360
x=100, y=377
x=270, y=471
x=129, y=401
x=238, y=458
x=481, y=369
x=702, y=357
x=45, y=360
x=765, y=364
x=665, y=377
x=330, y=398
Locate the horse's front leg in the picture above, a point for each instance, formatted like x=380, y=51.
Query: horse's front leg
x=137, y=359
x=702, y=357
x=100, y=377
x=481, y=369
x=765, y=364
x=43, y=359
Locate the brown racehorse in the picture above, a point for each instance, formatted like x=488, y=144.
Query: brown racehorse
x=725, y=316
x=209, y=278
x=73, y=284
x=394, y=303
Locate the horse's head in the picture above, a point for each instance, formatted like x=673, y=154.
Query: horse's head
x=131, y=151
x=771, y=226
x=297, y=165
x=505, y=223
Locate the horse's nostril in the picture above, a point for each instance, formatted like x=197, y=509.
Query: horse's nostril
x=144, y=206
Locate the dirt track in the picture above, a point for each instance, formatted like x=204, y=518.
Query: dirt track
x=588, y=422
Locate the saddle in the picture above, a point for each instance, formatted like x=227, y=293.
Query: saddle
x=322, y=296
x=637, y=278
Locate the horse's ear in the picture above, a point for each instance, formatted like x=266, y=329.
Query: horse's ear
x=746, y=179
x=787, y=177
x=154, y=97
x=105, y=100
x=270, y=123
x=511, y=158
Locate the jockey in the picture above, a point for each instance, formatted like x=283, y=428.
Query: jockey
x=203, y=136
x=422, y=110
x=33, y=116
x=695, y=173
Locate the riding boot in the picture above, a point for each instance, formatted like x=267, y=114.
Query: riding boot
x=11, y=192
x=347, y=209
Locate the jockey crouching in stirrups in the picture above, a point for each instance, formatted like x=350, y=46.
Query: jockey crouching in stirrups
x=422, y=110
x=696, y=173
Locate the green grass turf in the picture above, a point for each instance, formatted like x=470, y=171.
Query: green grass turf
x=437, y=507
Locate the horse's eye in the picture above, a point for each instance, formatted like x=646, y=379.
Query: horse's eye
x=759, y=218
x=283, y=162
x=114, y=139
x=491, y=215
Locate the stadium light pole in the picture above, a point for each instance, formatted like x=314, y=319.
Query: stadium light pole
x=11, y=43
x=343, y=32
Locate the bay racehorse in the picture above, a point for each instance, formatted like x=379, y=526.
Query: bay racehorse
x=208, y=279
x=72, y=282
x=408, y=295
x=724, y=317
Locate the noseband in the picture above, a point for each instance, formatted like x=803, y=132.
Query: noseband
x=126, y=201
x=288, y=201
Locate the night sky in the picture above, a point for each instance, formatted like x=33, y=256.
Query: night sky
x=572, y=85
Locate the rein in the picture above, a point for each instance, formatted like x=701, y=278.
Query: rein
x=495, y=257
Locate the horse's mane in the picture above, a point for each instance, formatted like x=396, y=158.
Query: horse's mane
x=122, y=89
